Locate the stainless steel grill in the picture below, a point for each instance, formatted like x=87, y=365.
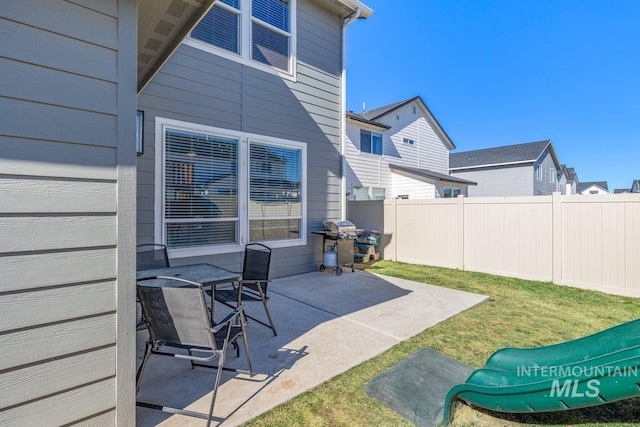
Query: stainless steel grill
x=342, y=229
x=340, y=236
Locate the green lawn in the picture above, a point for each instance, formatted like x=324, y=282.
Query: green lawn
x=522, y=313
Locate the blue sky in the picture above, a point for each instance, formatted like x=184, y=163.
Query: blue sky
x=510, y=71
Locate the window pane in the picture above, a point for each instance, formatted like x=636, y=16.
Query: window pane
x=378, y=193
x=274, y=12
x=220, y=28
x=200, y=234
x=200, y=184
x=275, y=192
x=280, y=229
x=376, y=143
x=360, y=193
x=365, y=141
x=275, y=181
x=270, y=47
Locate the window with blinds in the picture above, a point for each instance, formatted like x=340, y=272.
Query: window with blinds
x=270, y=33
x=222, y=188
x=258, y=31
x=201, y=189
x=275, y=192
x=221, y=26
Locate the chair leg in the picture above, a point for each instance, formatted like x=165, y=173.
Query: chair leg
x=216, y=385
x=246, y=344
x=147, y=353
x=266, y=309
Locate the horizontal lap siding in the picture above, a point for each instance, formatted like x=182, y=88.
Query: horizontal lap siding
x=508, y=181
x=203, y=88
x=58, y=211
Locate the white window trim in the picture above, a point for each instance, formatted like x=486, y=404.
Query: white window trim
x=409, y=141
x=369, y=153
x=245, y=42
x=552, y=177
x=539, y=176
x=161, y=124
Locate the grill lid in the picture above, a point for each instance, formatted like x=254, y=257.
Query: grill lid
x=344, y=229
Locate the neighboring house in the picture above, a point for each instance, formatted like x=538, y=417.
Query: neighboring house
x=635, y=188
x=597, y=187
x=571, y=181
x=68, y=172
x=399, y=150
x=561, y=181
x=528, y=169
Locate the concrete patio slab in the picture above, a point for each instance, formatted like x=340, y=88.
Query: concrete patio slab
x=313, y=313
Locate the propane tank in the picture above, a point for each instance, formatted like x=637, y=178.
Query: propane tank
x=330, y=257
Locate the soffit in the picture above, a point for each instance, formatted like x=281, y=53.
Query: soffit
x=162, y=25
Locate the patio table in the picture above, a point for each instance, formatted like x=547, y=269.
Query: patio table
x=205, y=274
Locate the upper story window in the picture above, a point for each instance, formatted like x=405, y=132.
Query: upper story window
x=552, y=175
x=408, y=141
x=539, y=173
x=370, y=142
x=257, y=32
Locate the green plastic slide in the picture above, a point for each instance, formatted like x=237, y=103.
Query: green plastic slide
x=593, y=370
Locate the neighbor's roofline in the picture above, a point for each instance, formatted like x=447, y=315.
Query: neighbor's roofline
x=356, y=118
x=439, y=129
x=520, y=162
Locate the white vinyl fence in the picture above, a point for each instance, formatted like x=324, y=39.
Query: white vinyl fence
x=590, y=241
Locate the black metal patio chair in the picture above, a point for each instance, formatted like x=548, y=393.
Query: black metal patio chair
x=150, y=256
x=179, y=326
x=254, y=283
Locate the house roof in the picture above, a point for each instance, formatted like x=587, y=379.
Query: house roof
x=498, y=156
x=572, y=175
x=431, y=175
x=621, y=190
x=163, y=25
x=585, y=185
x=378, y=113
x=357, y=117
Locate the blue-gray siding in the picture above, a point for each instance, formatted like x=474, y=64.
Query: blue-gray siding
x=545, y=186
x=199, y=87
x=67, y=192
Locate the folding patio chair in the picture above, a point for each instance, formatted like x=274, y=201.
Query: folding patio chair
x=178, y=321
x=253, y=286
x=148, y=257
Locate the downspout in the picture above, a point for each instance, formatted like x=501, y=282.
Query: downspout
x=343, y=115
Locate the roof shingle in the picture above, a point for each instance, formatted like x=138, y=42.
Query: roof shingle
x=527, y=152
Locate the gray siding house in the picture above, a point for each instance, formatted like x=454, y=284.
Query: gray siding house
x=68, y=174
x=243, y=135
x=528, y=169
